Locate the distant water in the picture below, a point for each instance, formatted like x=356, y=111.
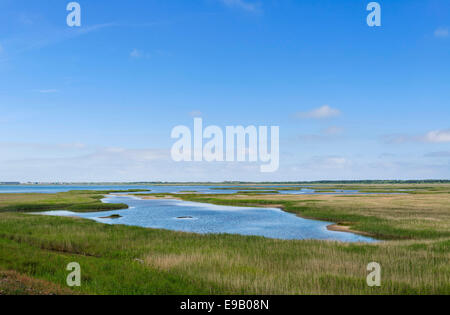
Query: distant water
x=47, y=189
x=207, y=218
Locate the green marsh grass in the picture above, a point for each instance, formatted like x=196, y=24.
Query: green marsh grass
x=131, y=260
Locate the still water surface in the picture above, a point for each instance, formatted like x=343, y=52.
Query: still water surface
x=207, y=189
x=207, y=218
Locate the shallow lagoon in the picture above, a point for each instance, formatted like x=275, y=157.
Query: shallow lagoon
x=200, y=189
x=207, y=218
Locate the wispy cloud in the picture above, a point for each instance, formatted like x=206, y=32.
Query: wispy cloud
x=328, y=134
x=436, y=136
x=42, y=146
x=195, y=113
x=136, y=53
x=441, y=154
x=25, y=19
x=327, y=162
x=332, y=131
x=254, y=7
x=397, y=138
x=92, y=28
x=441, y=32
x=386, y=155
x=47, y=91
x=320, y=113
x=51, y=36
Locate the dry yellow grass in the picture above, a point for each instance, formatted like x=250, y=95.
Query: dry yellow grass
x=312, y=268
x=12, y=282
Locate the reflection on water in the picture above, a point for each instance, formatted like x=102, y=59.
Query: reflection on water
x=206, y=218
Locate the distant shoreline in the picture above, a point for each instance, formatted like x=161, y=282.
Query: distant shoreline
x=343, y=182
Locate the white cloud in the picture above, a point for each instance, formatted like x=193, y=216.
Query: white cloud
x=76, y=162
x=243, y=4
x=120, y=164
x=320, y=113
x=438, y=136
x=441, y=32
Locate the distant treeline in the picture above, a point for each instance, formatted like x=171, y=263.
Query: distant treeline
x=413, y=181
x=428, y=181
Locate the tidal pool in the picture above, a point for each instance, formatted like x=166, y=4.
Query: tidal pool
x=207, y=218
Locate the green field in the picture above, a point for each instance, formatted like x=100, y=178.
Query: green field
x=415, y=253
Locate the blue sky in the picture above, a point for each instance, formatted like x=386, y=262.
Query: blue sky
x=98, y=103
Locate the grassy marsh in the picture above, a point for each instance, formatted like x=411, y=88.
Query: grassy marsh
x=131, y=260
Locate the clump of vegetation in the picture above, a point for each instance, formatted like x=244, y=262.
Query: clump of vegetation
x=258, y=192
x=13, y=283
x=114, y=216
x=76, y=201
